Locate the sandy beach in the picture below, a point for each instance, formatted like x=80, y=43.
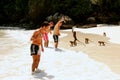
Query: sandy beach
x=108, y=54
x=81, y=62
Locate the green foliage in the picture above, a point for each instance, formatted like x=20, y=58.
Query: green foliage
x=14, y=9
x=21, y=5
x=78, y=10
x=40, y=9
x=36, y=11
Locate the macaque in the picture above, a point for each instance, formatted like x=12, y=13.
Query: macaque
x=104, y=34
x=87, y=40
x=73, y=43
x=101, y=43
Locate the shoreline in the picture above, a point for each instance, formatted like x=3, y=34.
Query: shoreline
x=107, y=54
x=61, y=64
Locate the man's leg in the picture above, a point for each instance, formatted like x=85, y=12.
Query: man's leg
x=47, y=43
x=55, y=37
x=56, y=44
x=37, y=61
x=34, y=62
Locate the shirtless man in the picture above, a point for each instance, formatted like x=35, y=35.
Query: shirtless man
x=36, y=46
x=56, y=32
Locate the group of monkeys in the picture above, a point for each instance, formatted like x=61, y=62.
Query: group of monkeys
x=74, y=43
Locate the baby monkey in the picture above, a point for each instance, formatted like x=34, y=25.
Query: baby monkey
x=104, y=34
x=73, y=43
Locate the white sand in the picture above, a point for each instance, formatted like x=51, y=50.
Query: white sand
x=109, y=54
x=62, y=64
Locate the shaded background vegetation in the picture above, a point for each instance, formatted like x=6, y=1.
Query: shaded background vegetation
x=31, y=13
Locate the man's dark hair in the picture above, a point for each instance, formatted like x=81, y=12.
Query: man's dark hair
x=44, y=24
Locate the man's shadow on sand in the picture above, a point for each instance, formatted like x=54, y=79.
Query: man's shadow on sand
x=56, y=49
x=43, y=75
x=59, y=50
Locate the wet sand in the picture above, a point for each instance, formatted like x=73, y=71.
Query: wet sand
x=108, y=54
